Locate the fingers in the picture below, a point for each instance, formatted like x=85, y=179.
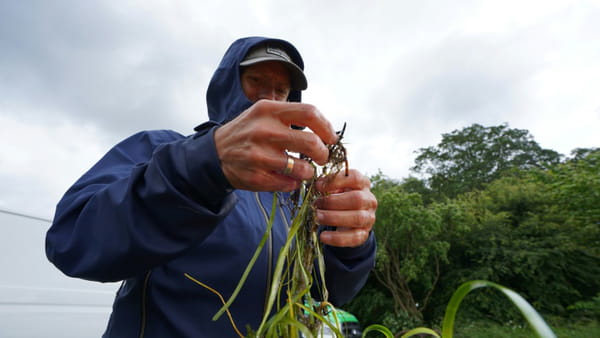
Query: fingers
x=252, y=147
x=307, y=143
x=312, y=144
x=306, y=115
x=259, y=171
x=341, y=182
x=298, y=168
x=345, y=237
x=354, y=209
x=243, y=175
x=349, y=205
x=351, y=193
x=347, y=218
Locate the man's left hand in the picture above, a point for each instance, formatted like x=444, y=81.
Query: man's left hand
x=349, y=205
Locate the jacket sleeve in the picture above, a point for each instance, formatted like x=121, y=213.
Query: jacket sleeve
x=147, y=201
x=347, y=269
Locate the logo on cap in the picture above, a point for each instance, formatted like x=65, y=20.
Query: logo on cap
x=278, y=52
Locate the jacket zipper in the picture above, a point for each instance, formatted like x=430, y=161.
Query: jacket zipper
x=269, y=248
x=144, y=293
x=270, y=243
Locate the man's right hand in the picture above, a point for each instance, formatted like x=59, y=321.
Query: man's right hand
x=253, y=147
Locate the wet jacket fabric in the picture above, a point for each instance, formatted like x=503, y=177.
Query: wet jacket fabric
x=157, y=206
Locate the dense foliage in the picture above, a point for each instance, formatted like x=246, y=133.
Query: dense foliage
x=469, y=158
x=527, y=221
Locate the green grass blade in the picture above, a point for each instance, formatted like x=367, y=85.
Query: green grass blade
x=533, y=318
x=333, y=326
x=293, y=323
x=285, y=311
x=277, y=275
x=378, y=328
x=536, y=322
x=420, y=330
x=321, y=265
x=252, y=261
x=452, y=308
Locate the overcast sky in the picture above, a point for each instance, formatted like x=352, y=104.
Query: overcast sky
x=78, y=76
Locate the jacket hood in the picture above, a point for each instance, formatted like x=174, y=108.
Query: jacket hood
x=225, y=97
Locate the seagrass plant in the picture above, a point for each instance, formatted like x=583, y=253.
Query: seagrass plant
x=298, y=315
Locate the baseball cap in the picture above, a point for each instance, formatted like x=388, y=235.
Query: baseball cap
x=267, y=52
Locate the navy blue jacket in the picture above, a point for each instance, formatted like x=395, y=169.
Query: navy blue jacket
x=157, y=206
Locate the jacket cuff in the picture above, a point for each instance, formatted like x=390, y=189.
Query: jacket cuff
x=351, y=256
x=204, y=167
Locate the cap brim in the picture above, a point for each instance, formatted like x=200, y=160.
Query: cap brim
x=297, y=77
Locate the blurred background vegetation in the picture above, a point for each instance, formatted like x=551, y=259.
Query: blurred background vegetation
x=488, y=203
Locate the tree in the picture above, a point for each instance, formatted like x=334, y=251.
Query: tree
x=419, y=186
x=581, y=153
x=536, y=232
x=496, y=206
x=467, y=159
x=573, y=189
x=410, y=249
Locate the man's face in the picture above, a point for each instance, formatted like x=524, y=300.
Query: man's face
x=268, y=80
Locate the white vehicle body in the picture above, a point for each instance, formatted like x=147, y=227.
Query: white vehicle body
x=36, y=299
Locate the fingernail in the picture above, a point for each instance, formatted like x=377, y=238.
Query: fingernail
x=320, y=217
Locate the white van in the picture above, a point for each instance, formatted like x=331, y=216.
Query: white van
x=36, y=299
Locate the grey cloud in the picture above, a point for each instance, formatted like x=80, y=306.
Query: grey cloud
x=487, y=78
x=461, y=80
x=92, y=63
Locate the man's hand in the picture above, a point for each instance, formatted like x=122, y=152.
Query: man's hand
x=349, y=205
x=252, y=147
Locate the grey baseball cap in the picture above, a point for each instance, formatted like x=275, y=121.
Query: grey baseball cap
x=267, y=52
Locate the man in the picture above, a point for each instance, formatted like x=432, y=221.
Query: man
x=160, y=205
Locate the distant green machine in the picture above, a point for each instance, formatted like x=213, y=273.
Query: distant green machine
x=350, y=326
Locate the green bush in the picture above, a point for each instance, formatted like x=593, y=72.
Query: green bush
x=589, y=309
